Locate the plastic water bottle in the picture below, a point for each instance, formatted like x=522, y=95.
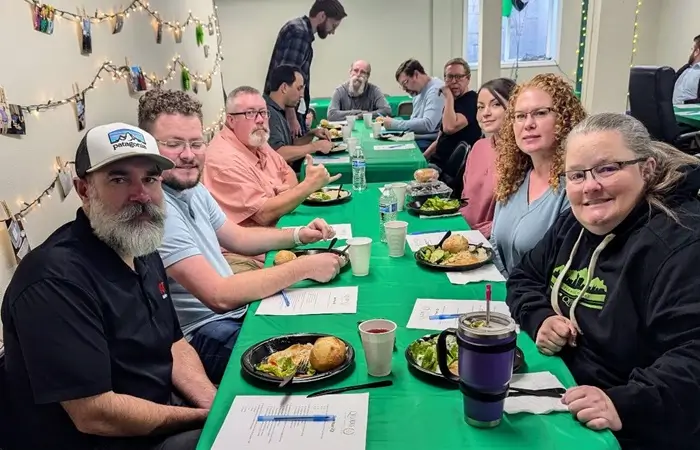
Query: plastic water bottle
x=388, y=206
x=359, y=181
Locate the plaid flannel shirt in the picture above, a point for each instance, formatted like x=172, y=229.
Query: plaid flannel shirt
x=293, y=47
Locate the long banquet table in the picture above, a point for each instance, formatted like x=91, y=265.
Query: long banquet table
x=381, y=165
x=411, y=414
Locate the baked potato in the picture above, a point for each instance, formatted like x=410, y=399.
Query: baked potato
x=327, y=354
x=284, y=256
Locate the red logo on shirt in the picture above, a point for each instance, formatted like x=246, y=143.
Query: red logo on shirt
x=161, y=288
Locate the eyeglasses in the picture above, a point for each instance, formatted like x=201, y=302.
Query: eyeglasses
x=600, y=171
x=180, y=145
x=537, y=114
x=252, y=114
x=457, y=77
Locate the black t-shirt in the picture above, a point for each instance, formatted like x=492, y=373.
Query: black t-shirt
x=79, y=322
x=465, y=105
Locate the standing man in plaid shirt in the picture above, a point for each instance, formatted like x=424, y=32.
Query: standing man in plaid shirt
x=293, y=47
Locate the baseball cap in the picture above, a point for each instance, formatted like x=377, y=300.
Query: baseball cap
x=105, y=144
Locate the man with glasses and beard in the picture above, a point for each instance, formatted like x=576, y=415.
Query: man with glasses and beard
x=94, y=350
x=210, y=301
x=294, y=47
x=358, y=96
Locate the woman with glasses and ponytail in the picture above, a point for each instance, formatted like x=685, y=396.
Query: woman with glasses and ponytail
x=613, y=287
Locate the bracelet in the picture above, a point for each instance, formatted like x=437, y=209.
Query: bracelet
x=297, y=240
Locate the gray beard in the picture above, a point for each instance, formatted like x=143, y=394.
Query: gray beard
x=356, y=92
x=122, y=231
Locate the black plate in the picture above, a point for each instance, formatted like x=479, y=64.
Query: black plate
x=315, y=251
x=436, y=377
x=336, y=201
x=422, y=262
x=255, y=355
x=414, y=208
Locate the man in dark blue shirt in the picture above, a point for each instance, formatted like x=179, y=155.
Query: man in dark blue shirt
x=93, y=347
x=294, y=47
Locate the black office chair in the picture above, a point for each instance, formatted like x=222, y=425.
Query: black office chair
x=4, y=432
x=651, y=102
x=453, y=172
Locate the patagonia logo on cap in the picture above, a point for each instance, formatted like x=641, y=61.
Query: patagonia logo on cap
x=125, y=137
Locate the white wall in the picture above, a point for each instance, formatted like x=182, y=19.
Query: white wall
x=37, y=67
x=677, y=26
x=383, y=32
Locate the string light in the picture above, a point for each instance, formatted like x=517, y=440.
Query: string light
x=117, y=73
x=581, y=49
x=27, y=207
x=635, y=35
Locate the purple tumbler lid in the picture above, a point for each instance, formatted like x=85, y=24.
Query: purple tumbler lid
x=473, y=325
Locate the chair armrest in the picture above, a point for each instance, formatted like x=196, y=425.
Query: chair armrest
x=688, y=136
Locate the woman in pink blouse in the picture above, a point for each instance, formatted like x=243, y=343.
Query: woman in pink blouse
x=480, y=167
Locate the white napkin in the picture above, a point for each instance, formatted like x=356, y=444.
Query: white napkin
x=489, y=272
x=531, y=404
x=406, y=146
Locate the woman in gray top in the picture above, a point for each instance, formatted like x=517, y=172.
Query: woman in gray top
x=530, y=159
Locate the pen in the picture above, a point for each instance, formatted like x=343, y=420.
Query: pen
x=315, y=418
x=285, y=298
x=444, y=316
x=427, y=232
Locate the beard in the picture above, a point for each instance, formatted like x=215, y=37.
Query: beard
x=178, y=185
x=125, y=231
x=357, y=86
x=258, y=138
x=321, y=30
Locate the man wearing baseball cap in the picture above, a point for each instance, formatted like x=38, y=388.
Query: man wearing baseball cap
x=94, y=350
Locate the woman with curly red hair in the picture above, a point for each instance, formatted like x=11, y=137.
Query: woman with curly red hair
x=540, y=115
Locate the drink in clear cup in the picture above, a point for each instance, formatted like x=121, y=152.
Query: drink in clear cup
x=378, y=337
x=396, y=237
x=360, y=251
x=400, y=193
x=352, y=146
x=347, y=132
x=376, y=129
x=367, y=117
x=485, y=364
x=351, y=122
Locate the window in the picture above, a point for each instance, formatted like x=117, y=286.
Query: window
x=527, y=35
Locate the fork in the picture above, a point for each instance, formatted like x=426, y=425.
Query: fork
x=302, y=367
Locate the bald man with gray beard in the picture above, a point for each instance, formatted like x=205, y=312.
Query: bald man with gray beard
x=358, y=96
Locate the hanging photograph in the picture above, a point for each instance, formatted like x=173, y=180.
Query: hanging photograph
x=80, y=111
x=177, y=32
x=65, y=182
x=210, y=26
x=138, y=80
x=5, y=117
x=206, y=50
x=86, y=36
x=17, y=124
x=18, y=238
x=159, y=32
x=118, y=24
x=44, y=16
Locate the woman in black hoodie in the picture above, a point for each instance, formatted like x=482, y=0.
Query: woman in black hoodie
x=614, y=286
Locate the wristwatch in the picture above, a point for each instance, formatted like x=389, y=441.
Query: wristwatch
x=297, y=240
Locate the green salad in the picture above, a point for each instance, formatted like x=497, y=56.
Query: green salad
x=434, y=255
x=439, y=204
x=424, y=353
x=283, y=368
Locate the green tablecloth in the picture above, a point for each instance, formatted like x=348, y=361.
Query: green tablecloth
x=410, y=414
x=381, y=165
x=688, y=114
x=320, y=105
